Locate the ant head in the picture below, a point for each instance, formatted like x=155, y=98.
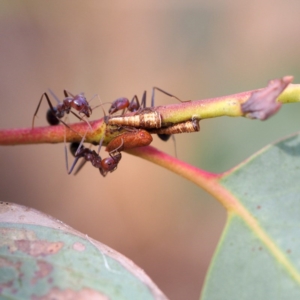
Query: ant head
x=87, y=111
x=109, y=164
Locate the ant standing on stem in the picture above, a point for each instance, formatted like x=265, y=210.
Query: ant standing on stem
x=131, y=138
x=148, y=118
x=56, y=113
x=145, y=117
x=134, y=105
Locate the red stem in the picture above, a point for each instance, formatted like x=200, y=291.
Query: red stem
x=50, y=134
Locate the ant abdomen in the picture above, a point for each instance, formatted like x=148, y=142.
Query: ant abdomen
x=73, y=147
x=51, y=116
x=164, y=137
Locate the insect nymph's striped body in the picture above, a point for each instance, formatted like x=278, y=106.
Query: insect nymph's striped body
x=146, y=118
x=184, y=127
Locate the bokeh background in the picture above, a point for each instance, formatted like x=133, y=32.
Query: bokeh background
x=193, y=49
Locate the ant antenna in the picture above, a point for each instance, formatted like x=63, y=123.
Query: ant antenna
x=55, y=97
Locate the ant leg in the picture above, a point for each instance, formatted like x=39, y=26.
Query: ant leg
x=37, y=109
x=101, y=142
x=166, y=93
x=69, y=127
x=143, y=102
x=82, y=119
x=68, y=94
x=80, y=145
x=81, y=165
x=72, y=145
x=115, y=152
x=66, y=151
x=134, y=105
x=77, y=156
x=53, y=111
x=105, y=120
x=73, y=149
x=165, y=137
x=175, y=148
x=73, y=165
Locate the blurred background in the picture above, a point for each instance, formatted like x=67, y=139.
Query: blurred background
x=192, y=49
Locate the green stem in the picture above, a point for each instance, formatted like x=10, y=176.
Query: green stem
x=217, y=107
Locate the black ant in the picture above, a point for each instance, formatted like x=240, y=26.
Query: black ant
x=56, y=113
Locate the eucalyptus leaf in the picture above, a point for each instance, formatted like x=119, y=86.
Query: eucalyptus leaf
x=258, y=256
x=42, y=258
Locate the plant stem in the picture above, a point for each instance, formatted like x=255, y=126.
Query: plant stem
x=53, y=134
x=170, y=114
x=206, y=180
x=217, y=107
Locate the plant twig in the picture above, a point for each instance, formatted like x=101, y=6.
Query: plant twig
x=232, y=105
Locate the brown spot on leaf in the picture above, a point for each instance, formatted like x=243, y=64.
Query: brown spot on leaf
x=5, y=265
x=44, y=269
x=6, y=285
x=10, y=235
x=263, y=104
x=69, y=294
x=4, y=262
x=38, y=248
